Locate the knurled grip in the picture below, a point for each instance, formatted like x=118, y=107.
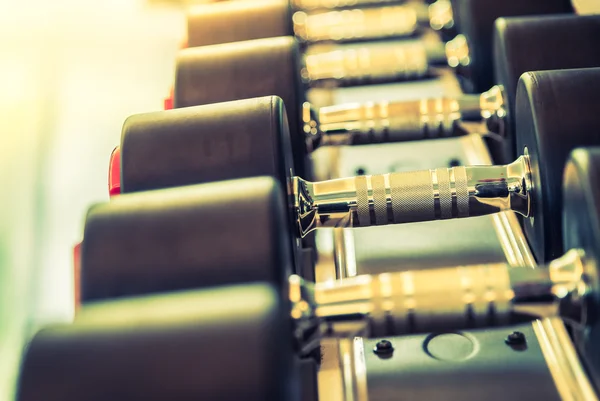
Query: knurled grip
x=367, y=64
x=380, y=122
x=406, y=197
x=423, y=119
x=362, y=198
x=430, y=300
x=379, y=200
x=363, y=24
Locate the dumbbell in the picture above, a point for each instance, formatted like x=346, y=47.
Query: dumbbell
x=539, y=43
x=345, y=4
x=240, y=21
x=213, y=74
x=351, y=65
x=216, y=142
x=174, y=153
x=236, y=21
x=153, y=347
x=232, y=140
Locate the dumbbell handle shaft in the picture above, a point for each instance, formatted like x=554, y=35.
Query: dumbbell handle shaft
x=449, y=298
x=356, y=24
x=429, y=118
x=333, y=4
x=405, y=197
x=362, y=64
x=380, y=122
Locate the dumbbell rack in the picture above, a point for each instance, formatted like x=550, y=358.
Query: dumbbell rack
x=494, y=238
x=529, y=360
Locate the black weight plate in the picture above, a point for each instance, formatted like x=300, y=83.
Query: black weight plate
x=187, y=237
x=237, y=21
x=477, y=24
x=231, y=343
x=581, y=229
x=557, y=111
x=264, y=67
x=193, y=145
x=540, y=43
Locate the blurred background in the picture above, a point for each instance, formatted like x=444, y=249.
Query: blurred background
x=71, y=71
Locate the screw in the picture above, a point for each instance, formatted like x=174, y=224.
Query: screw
x=361, y=171
x=515, y=338
x=383, y=347
x=454, y=163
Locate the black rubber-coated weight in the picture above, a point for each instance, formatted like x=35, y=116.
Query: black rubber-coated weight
x=524, y=44
x=233, y=71
x=556, y=111
x=174, y=239
x=581, y=230
x=193, y=145
x=237, y=21
x=476, y=19
x=227, y=344
x=152, y=348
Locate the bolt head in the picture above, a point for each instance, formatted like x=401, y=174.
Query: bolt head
x=515, y=338
x=383, y=347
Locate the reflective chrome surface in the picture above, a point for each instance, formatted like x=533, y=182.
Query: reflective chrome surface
x=404, y=197
x=324, y=4
x=377, y=122
x=310, y=127
x=493, y=109
x=400, y=121
x=571, y=275
x=417, y=301
x=440, y=15
x=365, y=64
x=457, y=52
x=369, y=23
x=450, y=298
x=569, y=375
x=563, y=280
x=354, y=370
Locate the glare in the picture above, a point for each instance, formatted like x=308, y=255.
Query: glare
x=71, y=71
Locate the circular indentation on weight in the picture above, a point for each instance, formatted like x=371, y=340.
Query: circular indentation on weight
x=361, y=171
x=451, y=347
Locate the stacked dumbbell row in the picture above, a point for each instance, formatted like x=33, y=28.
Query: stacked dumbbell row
x=106, y=341
x=138, y=218
x=237, y=232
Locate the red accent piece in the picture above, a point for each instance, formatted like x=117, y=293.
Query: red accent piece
x=169, y=100
x=114, y=172
x=77, y=275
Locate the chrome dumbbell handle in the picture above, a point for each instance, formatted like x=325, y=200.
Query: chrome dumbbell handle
x=367, y=64
x=404, y=197
x=439, y=14
x=430, y=118
x=418, y=301
x=325, y=4
x=449, y=298
x=377, y=122
x=356, y=24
